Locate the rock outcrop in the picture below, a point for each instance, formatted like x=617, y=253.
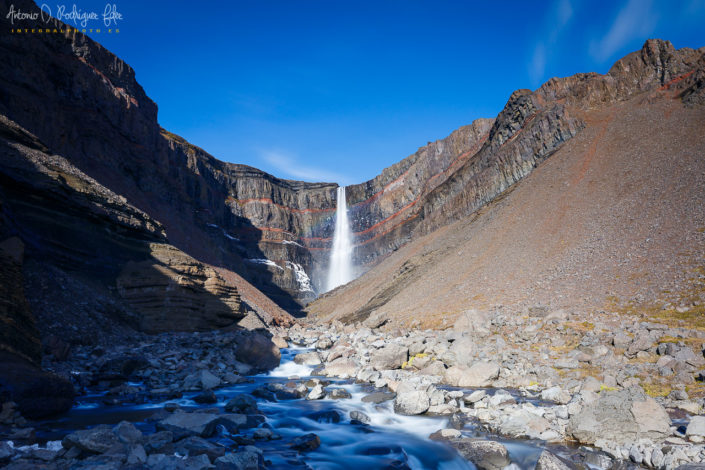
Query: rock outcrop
x=174, y=292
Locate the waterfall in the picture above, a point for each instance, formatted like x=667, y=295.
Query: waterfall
x=340, y=267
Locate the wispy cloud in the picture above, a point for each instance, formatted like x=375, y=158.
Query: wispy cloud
x=285, y=165
x=557, y=19
x=636, y=20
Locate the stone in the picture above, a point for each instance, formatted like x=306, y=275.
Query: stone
x=306, y=443
x=413, y=402
x=316, y=393
x=378, y=397
x=159, y=442
x=522, y=423
x=359, y=416
x=338, y=393
x=622, y=416
x=548, y=461
x=480, y=374
x=96, y=440
x=434, y=368
x=280, y=342
x=308, y=359
x=556, y=394
x=201, y=380
x=127, y=433
x=445, y=434
x=256, y=349
x=242, y=403
x=6, y=452
x=391, y=356
x=248, y=459
x=188, y=424
x=696, y=427
x=324, y=343
x=341, y=367
x=205, y=398
x=485, y=454
x=475, y=396
x=194, y=446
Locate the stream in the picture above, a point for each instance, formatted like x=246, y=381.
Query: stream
x=389, y=440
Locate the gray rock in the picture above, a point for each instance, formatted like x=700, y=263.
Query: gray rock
x=306, y=443
x=201, y=380
x=6, y=452
x=480, y=374
x=341, y=367
x=463, y=351
x=127, y=433
x=413, y=402
x=188, y=424
x=308, y=359
x=324, y=343
x=522, y=423
x=391, y=356
x=485, y=454
x=434, y=368
x=95, y=440
x=475, y=396
x=316, y=393
x=556, y=394
x=622, y=416
x=243, y=403
x=548, y=461
x=338, y=393
x=360, y=416
x=137, y=455
x=696, y=427
x=378, y=397
x=248, y=459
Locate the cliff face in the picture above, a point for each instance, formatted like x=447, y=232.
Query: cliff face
x=616, y=213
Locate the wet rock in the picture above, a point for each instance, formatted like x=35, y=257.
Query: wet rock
x=201, y=380
x=378, y=397
x=338, y=393
x=159, y=443
x=308, y=359
x=328, y=416
x=248, y=459
x=480, y=374
x=485, y=454
x=620, y=416
x=127, y=433
x=207, y=397
x=316, y=393
x=359, y=416
x=391, y=356
x=257, y=350
x=413, y=402
x=193, y=446
x=242, y=403
x=188, y=424
x=445, y=434
x=548, y=461
x=95, y=440
x=306, y=443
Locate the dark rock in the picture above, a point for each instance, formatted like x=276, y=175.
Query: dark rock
x=207, y=397
x=329, y=416
x=360, y=417
x=306, y=443
x=338, y=393
x=95, y=440
x=242, y=403
x=486, y=455
x=379, y=397
x=257, y=350
x=194, y=445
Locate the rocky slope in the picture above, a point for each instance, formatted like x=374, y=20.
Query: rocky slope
x=615, y=216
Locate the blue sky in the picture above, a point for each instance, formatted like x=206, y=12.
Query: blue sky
x=332, y=90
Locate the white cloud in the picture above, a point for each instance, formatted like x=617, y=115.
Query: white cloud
x=636, y=20
x=555, y=22
x=287, y=166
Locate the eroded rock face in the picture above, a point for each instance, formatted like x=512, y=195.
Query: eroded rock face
x=174, y=292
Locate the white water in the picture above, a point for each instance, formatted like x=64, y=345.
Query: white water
x=340, y=268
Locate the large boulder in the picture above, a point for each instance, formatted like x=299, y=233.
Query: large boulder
x=480, y=374
x=341, y=367
x=462, y=351
x=391, y=356
x=620, y=417
x=486, y=455
x=95, y=440
x=413, y=402
x=258, y=350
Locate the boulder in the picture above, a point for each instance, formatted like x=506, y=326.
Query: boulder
x=462, y=352
x=413, y=402
x=248, y=459
x=696, y=427
x=341, y=367
x=280, y=342
x=485, y=454
x=316, y=393
x=391, y=356
x=523, y=423
x=480, y=374
x=621, y=417
x=306, y=443
x=257, y=350
x=188, y=424
x=242, y=403
x=96, y=440
x=548, y=461
x=308, y=359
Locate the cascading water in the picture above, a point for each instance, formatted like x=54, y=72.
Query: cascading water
x=340, y=269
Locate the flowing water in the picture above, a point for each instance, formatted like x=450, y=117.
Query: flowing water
x=388, y=441
x=340, y=269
